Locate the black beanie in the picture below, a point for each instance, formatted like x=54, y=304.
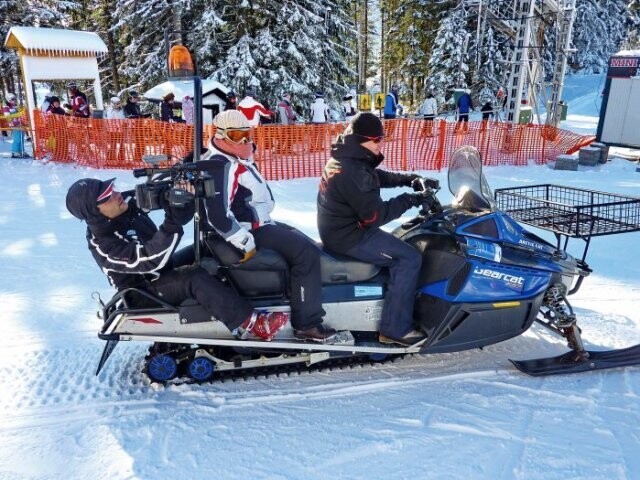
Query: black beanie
x=366, y=124
x=82, y=198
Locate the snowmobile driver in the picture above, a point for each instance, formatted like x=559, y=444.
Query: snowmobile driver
x=134, y=253
x=351, y=212
x=241, y=214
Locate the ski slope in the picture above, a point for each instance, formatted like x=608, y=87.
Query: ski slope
x=466, y=415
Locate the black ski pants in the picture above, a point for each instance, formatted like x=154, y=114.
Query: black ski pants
x=303, y=258
x=191, y=281
x=383, y=249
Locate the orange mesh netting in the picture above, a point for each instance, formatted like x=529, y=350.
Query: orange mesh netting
x=294, y=151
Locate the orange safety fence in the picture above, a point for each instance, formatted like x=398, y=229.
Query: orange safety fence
x=294, y=151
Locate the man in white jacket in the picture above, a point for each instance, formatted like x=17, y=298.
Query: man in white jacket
x=241, y=214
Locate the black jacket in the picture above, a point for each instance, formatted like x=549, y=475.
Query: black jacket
x=132, y=110
x=166, y=113
x=349, y=200
x=130, y=249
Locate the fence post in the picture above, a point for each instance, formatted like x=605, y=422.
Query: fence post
x=442, y=126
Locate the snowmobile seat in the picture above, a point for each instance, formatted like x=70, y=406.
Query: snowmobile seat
x=265, y=274
x=343, y=269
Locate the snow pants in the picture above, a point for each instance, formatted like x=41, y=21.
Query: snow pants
x=383, y=249
x=303, y=258
x=191, y=281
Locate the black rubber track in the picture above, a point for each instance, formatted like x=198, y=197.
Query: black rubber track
x=183, y=352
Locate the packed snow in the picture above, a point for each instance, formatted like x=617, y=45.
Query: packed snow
x=449, y=416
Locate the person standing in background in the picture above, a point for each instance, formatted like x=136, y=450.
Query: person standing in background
x=252, y=109
x=429, y=110
x=114, y=111
x=287, y=115
x=166, y=109
x=391, y=104
x=465, y=105
x=188, y=112
x=319, y=115
x=231, y=101
x=14, y=113
x=79, y=103
x=348, y=107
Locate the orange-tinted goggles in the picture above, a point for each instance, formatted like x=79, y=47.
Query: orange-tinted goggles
x=237, y=135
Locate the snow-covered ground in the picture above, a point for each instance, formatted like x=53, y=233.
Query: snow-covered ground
x=467, y=415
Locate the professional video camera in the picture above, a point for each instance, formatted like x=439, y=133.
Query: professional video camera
x=162, y=183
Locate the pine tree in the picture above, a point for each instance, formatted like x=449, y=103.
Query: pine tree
x=43, y=13
x=633, y=25
x=448, y=62
x=297, y=46
x=140, y=26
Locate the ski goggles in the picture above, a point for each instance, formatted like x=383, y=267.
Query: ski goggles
x=377, y=139
x=236, y=135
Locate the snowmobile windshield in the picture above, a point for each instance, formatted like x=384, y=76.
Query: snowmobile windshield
x=467, y=183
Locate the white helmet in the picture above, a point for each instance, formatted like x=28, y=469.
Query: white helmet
x=115, y=100
x=11, y=97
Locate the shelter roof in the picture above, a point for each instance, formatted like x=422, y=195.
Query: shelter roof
x=36, y=40
x=627, y=53
x=180, y=88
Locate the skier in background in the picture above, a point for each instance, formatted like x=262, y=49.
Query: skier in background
x=465, y=105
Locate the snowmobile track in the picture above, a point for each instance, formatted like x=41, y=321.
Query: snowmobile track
x=274, y=371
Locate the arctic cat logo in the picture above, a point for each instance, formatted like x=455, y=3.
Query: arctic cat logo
x=528, y=243
x=510, y=279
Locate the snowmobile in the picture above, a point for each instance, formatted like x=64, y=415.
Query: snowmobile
x=484, y=279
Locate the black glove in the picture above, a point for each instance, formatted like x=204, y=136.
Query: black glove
x=175, y=217
x=422, y=199
x=419, y=183
x=427, y=201
x=409, y=179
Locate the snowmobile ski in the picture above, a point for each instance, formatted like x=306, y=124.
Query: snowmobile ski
x=580, y=361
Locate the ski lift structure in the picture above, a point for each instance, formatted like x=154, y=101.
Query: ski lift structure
x=524, y=22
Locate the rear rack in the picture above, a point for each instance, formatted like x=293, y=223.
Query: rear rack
x=571, y=212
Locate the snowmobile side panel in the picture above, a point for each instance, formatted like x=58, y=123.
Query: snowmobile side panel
x=576, y=361
x=490, y=282
x=462, y=326
x=352, y=292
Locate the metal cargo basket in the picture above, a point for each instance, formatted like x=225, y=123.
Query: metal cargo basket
x=570, y=212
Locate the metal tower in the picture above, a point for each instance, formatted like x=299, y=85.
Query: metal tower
x=524, y=22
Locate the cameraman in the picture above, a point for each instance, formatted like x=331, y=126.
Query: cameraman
x=134, y=253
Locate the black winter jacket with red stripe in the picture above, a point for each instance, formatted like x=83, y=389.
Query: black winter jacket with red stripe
x=349, y=200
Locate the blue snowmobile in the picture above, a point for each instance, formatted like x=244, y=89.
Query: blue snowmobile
x=484, y=279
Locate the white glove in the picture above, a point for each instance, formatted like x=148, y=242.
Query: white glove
x=242, y=240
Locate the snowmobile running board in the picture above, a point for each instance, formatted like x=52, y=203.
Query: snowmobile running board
x=576, y=362
x=345, y=345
